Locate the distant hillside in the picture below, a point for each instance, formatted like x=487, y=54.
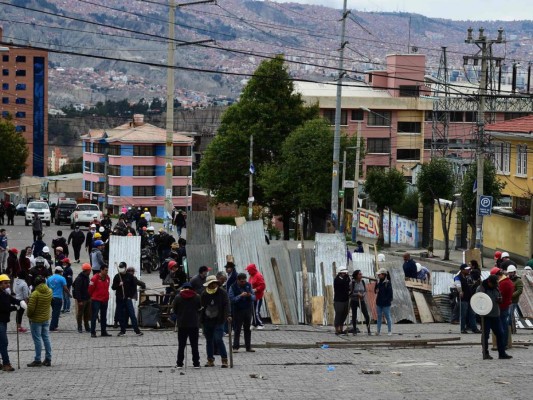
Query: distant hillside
x=244, y=31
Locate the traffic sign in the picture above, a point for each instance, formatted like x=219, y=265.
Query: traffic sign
x=341, y=193
x=349, y=184
x=485, y=205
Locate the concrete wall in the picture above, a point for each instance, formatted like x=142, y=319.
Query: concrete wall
x=507, y=234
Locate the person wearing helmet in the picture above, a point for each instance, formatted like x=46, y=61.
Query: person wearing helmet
x=82, y=297
x=97, y=258
x=141, y=223
x=48, y=257
x=7, y=304
x=125, y=286
x=518, y=289
x=147, y=215
x=59, y=256
x=95, y=221
x=41, y=269
x=506, y=261
x=60, y=241
x=497, y=258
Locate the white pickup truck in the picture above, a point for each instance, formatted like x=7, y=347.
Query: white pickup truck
x=84, y=214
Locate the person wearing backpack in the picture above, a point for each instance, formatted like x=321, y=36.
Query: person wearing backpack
x=358, y=300
x=215, y=312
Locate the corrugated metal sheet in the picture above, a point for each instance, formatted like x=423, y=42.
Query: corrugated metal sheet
x=526, y=300
x=402, y=306
x=245, y=241
x=299, y=293
x=223, y=243
x=127, y=249
x=201, y=254
x=442, y=281
x=201, y=227
x=330, y=248
x=296, y=259
x=364, y=262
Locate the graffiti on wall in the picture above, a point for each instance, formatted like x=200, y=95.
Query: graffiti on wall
x=403, y=230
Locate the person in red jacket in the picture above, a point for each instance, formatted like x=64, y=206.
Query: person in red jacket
x=506, y=289
x=99, y=292
x=258, y=285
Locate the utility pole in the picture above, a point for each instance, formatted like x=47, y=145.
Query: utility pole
x=337, y=136
x=251, y=180
x=485, y=54
x=305, y=276
x=355, y=216
x=169, y=145
x=106, y=175
x=341, y=222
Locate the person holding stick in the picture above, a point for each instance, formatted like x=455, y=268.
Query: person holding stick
x=125, y=286
x=7, y=304
x=358, y=300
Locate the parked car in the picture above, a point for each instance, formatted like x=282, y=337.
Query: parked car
x=64, y=210
x=20, y=209
x=84, y=214
x=39, y=207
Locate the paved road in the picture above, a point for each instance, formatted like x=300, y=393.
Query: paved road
x=134, y=368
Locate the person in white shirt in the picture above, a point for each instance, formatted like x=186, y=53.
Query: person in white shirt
x=147, y=216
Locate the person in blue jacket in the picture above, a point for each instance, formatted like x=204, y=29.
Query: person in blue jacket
x=242, y=299
x=383, y=292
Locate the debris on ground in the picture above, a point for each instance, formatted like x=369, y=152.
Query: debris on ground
x=371, y=371
x=257, y=376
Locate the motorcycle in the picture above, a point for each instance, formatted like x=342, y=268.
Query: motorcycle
x=149, y=261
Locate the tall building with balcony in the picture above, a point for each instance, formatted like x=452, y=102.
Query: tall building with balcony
x=127, y=164
x=24, y=99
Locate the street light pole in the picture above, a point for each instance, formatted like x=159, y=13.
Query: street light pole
x=355, y=216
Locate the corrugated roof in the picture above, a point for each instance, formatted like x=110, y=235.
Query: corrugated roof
x=136, y=133
x=517, y=125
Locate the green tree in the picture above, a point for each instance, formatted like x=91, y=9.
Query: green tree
x=491, y=187
x=436, y=182
x=269, y=110
x=386, y=189
x=13, y=152
x=409, y=206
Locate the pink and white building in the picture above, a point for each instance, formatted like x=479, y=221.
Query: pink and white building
x=136, y=167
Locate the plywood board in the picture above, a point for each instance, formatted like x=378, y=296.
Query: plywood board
x=423, y=309
x=473, y=254
x=525, y=303
x=417, y=284
x=330, y=317
x=317, y=305
x=272, y=309
x=437, y=317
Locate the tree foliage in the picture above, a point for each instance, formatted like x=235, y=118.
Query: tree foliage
x=436, y=180
x=386, y=189
x=269, y=110
x=13, y=152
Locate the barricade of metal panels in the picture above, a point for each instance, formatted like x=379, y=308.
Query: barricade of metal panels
x=223, y=244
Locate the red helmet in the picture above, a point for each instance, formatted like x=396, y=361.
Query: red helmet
x=495, y=271
x=497, y=255
x=172, y=264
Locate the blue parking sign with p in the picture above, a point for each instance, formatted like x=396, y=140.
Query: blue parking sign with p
x=485, y=205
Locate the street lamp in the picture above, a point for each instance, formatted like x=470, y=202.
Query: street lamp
x=368, y=110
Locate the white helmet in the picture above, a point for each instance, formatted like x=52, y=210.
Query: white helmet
x=46, y=249
x=505, y=254
x=526, y=268
x=418, y=267
x=511, y=268
x=93, y=226
x=102, y=229
x=150, y=228
x=381, y=257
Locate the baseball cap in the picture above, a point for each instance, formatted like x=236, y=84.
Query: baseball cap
x=495, y=271
x=464, y=266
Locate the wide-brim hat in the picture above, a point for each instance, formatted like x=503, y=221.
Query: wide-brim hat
x=210, y=279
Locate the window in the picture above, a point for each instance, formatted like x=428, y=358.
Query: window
x=143, y=150
x=113, y=150
x=181, y=191
x=5, y=114
x=113, y=170
x=20, y=128
x=20, y=72
x=358, y=115
x=98, y=168
x=408, y=154
x=379, y=118
x=502, y=157
x=20, y=59
x=20, y=86
x=409, y=127
x=5, y=58
x=329, y=115
x=148, y=170
x=409, y=91
x=521, y=160
x=87, y=167
x=378, y=145
x=114, y=190
x=181, y=170
x=20, y=114
x=144, y=190
x=428, y=116
x=470, y=116
x=98, y=148
x=456, y=116
x=182, y=151
x=88, y=186
x=5, y=86
x=5, y=72
x=20, y=100
x=5, y=100
x=98, y=187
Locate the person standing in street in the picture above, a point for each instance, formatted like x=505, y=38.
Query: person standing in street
x=186, y=307
x=258, y=286
x=518, y=289
x=10, y=213
x=67, y=274
x=58, y=284
x=467, y=315
x=125, y=286
x=22, y=293
x=99, y=292
x=358, y=300
x=89, y=240
x=83, y=298
x=384, y=296
x=180, y=222
x=37, y=226
x=77, y=238
x=506, y=287
x=215, y=312
x=341, y=299
x=198, y=280
x=39, y=316
x=13, y=266
x=97, y=258
x=61, y=242
x=3, y=250
x=7, y=304
x=492, y=320
x=241, y=296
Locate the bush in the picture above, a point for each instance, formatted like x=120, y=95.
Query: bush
x=225, y=220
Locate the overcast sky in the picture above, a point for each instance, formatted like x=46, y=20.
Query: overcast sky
x=450, y=9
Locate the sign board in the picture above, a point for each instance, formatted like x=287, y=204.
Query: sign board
x=349, y=184
x=341, y=193
x=168, y=194
x=251, y=199
x=485, y=205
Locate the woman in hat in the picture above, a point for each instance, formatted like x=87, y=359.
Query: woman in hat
x=383, y=292
x=341, y=299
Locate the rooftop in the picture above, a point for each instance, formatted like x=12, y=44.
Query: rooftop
x=517, y=125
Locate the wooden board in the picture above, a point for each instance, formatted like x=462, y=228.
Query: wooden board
x=423, y=309
x=317, y=306
x=272, y=309
x=417, y=284
x=473, y=254
x=330, y=317
x=437, y=317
